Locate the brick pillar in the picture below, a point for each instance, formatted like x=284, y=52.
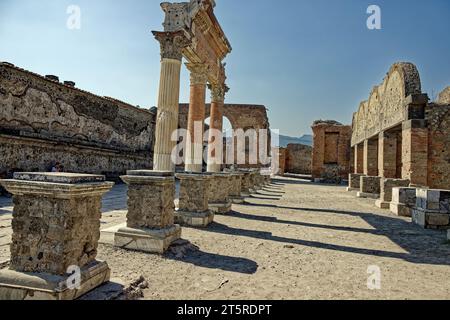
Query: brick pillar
x=215, y=143
x=359, y=158
x=56, y=228
x=196, y=117
x=415, y=152
x=387, y=154
x=370, y=157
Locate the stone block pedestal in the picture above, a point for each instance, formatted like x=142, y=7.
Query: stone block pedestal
x=219, y=193
x=369, y=187
x=193, y=205
x=150, y=223
x=354, y=180
x=235, y=188
x=246, y=183
x=432, y=210
x=386, y=186
x=403, y=201
x=56, y=228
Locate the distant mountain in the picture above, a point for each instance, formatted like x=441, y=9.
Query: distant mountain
x=306, y=139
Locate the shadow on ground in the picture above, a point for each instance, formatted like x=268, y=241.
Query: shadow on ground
x=217, y=261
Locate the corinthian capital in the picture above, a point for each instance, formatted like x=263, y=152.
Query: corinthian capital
x=199, y=73
x=218, y=92
x=172, y=44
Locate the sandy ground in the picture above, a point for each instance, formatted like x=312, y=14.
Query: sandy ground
x=294, y=240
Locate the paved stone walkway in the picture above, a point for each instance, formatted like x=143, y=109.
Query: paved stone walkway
x=294, y=240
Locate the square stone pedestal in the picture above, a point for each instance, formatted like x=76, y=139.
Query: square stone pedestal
x=56, y=228
x=354, y=180
x=432, y=209
x=369, y=187
x=236, y=187
x=150, y=219
x=246, y=183
x=403, y=201
x=219, y=193
x=386, y=186
x=193, y=205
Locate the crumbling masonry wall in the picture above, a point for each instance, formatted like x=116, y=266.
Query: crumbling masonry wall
x=43, y=121
x=413, y=135
x=299, y=159
x=331, y=151
x=241, y=116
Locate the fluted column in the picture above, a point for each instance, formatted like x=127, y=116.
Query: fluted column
x=215, y=141
x=196, y=117
x=172, y=44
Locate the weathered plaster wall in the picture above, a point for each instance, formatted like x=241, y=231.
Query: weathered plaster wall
x=299, y=159
x=56, y=122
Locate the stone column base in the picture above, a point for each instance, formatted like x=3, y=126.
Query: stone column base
x=253, y=191
x=221, y=208
x=431, y=220
x=16, y=285
x=194, y=219
x=382, y=204
x=237, y=200
x=368, y=195
x=400, y=209
x=146, y=240
x=245, y=194
x=352, y=189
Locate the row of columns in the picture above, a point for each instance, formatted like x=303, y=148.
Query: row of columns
x=172, y=45
x=395, y=154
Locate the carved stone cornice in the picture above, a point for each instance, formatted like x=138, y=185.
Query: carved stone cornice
x=218, y=92
x=172, y=44
x=199, y=73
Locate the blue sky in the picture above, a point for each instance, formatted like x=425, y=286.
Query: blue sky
x=303, y=59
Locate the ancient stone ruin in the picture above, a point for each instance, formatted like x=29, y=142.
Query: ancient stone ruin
x=331, y=151
x=401, y=147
